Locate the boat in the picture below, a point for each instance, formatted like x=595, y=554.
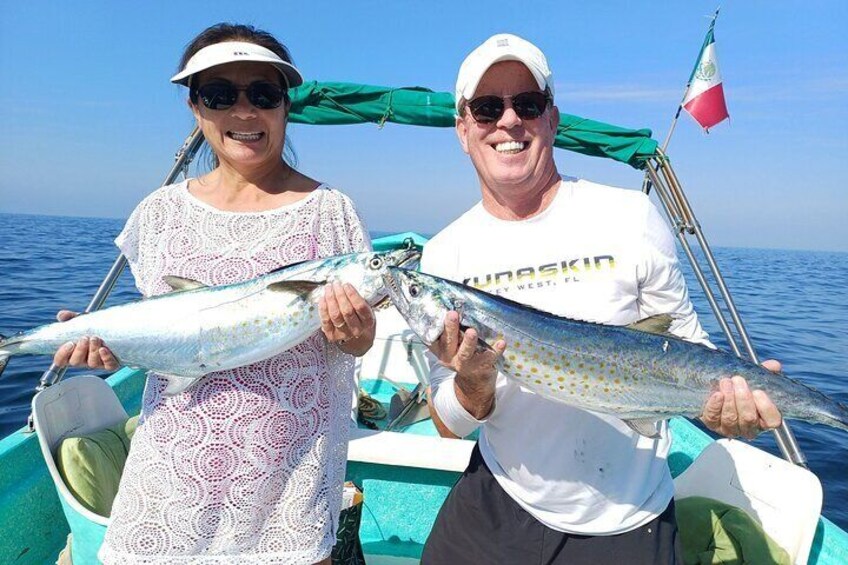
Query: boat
x=404, y=469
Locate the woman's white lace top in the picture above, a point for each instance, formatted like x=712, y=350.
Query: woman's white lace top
x=247, y=466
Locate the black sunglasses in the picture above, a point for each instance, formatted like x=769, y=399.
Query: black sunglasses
x=528, y=106
x=223, y=95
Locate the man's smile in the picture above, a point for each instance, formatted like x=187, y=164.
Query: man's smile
x=510, y=147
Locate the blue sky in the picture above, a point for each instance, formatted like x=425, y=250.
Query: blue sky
x=90, y=122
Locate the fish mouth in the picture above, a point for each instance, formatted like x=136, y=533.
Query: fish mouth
x=393, y=286
x=411, y=259
x=393, y=280
x=407, y=258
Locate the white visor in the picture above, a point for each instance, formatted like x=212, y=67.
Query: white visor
x=232, y=52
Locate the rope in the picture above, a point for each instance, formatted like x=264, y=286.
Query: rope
x=369, y=407
x=388, y=113
x=342, y=107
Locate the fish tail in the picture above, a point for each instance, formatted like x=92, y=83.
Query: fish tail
x=837, y=416
x=4, y=356
x=8, y=347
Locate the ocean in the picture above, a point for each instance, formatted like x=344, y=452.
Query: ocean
x=794, y=304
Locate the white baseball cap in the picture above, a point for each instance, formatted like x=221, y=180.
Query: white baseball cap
x=501, y=47
x=231, y=52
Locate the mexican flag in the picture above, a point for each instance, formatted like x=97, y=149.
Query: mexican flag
x=704, y=99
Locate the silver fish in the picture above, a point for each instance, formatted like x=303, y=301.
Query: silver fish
x=639, y=373
x=196, y=329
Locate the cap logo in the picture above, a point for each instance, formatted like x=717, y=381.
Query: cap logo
x=240, y=53
x=502, y=42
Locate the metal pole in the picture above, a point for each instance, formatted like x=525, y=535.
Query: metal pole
x=667, y=182
x=646, y=183
x=786, y=441
x=680, y=227
x=182, y=159
x=783, y=435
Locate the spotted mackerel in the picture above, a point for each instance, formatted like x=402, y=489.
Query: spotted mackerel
x=639, y=373
x=197, y=329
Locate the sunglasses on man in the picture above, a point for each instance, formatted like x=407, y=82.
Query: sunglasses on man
x=527, y=105
x=222, y=95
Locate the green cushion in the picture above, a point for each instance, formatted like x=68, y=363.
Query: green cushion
x=715, y=532
x=91, y=465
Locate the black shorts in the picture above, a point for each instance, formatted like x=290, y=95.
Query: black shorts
x=480, y=523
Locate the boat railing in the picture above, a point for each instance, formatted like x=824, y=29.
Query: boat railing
x=182, y=160
x=661, y=176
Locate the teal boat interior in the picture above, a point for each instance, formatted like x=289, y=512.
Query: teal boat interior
x=401, y=498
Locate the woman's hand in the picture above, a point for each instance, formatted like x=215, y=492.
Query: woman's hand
x=87, y=352
x=347, y=319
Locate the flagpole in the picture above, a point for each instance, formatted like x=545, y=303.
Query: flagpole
x=689, y=83
x=674, y=121
x=786, y=441
x=646, y=183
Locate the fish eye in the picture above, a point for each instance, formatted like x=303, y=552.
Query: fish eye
x=414, y=291
x=376, y=263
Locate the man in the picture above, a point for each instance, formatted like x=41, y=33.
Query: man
x=549, y=483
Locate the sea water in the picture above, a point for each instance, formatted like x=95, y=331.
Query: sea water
x=794, y=305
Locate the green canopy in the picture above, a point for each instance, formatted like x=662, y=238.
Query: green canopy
x=334, y=103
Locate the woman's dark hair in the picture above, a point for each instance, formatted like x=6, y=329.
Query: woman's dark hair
x=237, y=32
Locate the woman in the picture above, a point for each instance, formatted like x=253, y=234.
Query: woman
x=248, y=465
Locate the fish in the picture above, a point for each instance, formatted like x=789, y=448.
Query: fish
x=197, y=329
x=641, y=373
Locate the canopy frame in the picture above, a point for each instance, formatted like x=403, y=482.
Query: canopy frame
x=661, y=176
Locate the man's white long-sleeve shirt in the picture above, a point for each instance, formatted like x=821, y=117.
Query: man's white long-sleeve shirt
x=596, y=253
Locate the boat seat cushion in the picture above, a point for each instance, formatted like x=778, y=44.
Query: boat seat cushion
x=91, y=465
x=714, y=532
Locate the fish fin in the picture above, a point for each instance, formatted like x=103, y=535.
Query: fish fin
x=177, y=384
x=181, y=283
x=286, y=267
x=658, y=324
x=3, y=361
x=645, y=427
x=302, y=288
x=481, y=345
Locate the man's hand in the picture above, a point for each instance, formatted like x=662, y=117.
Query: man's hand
x=735, y=410
x=475, y=370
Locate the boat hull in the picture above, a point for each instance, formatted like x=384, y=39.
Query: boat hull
x=35, y=529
